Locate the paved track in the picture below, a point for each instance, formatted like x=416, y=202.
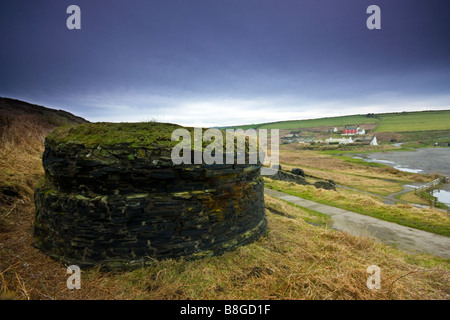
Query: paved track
x=405, y=238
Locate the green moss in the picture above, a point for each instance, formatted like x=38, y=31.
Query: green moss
x=137, y=196
x=145, y=135
x=81, y=197
x=104, y=153
x=148, y=134
x=51, y=192
x=141, y=153
x=202, y=254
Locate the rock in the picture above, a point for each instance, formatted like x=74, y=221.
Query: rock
x=119, y=211
x=298, y=172
x=324, y=185
x=300, y=179
x=289, y=177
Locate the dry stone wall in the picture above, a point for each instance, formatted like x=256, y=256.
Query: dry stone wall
x=122, y=207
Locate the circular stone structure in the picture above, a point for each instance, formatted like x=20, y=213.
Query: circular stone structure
x=113, y=197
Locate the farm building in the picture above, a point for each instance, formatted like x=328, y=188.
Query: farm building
x=305, y=140
x=352, y=130
x=374, y=141
x=339, y=141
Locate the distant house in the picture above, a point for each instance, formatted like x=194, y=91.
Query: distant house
x=339, y=141
x=287, y=138
x=374, y=141
x=349, y=130
x=305, y=140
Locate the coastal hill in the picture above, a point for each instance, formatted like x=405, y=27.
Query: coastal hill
x=380, y=122
x=418, y=129
x=11, y=109
x=23, y=127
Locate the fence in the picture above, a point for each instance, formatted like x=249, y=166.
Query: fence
x=431, y=184
x=421, y=190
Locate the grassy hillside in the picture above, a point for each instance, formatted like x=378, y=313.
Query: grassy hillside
x=313, y=123
x=23, y=127
x=414, y=121
x=12, y=109
x=386, y=122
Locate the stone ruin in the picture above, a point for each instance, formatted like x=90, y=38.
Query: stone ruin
x=298, y=176
x=124, y=205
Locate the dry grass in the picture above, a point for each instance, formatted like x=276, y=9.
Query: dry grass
x=414, y=198
x=25, y=273
x=295, y=260
x=21, y=147
x=379, y=180
x=319, y=161
x=369, y=184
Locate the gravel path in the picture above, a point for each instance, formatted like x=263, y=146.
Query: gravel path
x=405, y=238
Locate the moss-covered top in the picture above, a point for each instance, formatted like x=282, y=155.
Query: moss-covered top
x=145, y=134
x=134, y=135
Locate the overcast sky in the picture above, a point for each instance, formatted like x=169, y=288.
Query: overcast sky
x=225, y=62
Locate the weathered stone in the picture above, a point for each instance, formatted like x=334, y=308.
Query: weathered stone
x=324, y=185
x=298, y=172
x=299, y=178
x=289, y=177
x=120, y=205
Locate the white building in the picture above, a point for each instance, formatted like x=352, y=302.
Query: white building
x=340, y=141
x=374, y=141
x=352, y=130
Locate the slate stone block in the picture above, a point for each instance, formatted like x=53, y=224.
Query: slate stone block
x=115, y=207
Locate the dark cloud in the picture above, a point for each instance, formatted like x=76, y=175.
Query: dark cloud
x=138, y=59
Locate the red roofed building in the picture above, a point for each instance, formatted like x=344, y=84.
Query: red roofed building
x=348, y=130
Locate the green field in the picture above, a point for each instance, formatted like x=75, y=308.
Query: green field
x=414, y=121
x=312, y=123
x=386, y=122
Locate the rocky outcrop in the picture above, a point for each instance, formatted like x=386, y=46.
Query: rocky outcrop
x=298, y=176
x=328, y=185
x=289, y=177
x=298, y=172
x=121, y=206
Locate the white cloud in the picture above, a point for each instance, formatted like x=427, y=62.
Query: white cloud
x=208, y=112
